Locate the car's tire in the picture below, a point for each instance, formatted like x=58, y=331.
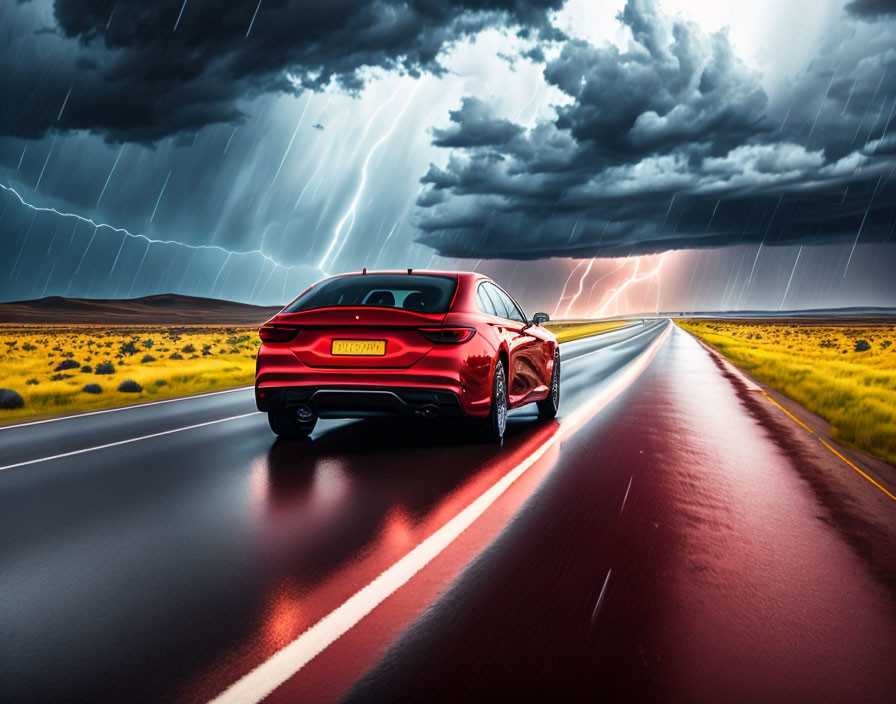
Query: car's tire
x=286, y=424
x=548, y=407
x=494, y=425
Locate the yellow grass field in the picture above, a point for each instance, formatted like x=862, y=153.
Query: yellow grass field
x=574, y=330
x=49, y=366
x=844, y=373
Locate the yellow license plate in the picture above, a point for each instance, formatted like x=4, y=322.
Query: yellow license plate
x=360, y=348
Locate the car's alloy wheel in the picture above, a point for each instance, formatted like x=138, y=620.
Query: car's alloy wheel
x=549, y=406
x=286, y=424
x=496, y=422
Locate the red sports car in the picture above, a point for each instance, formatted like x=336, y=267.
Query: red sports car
x=423, y=344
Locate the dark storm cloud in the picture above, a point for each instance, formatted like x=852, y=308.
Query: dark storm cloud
x=131, y=76
x=673, y=143
x=872, y=8
x=474, y=126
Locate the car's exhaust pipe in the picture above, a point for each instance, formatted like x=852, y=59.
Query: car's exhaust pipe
x=427, y=411
x=305, y=413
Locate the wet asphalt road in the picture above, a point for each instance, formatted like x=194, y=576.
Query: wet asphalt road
x=658, y=545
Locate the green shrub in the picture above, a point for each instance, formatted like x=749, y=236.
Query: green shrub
x=92, y=389
x=105, y=368
x=130, y=386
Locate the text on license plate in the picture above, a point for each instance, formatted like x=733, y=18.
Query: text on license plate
x=369, y=348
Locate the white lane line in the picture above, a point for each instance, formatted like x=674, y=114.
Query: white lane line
x=606, y=334
x=602, y=348
x=122, y=408
x=264, y=679
x=124, y=442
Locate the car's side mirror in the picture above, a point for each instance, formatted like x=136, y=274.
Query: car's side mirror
x=540, y=318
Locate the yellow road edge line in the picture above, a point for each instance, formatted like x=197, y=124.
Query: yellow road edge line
x=825, y=443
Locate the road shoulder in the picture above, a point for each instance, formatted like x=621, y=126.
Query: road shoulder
x=858, y=509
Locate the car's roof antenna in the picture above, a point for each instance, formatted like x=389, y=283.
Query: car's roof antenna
x=410, y=271
x=364, y=270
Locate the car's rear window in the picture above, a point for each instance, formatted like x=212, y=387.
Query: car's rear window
x=423, y=293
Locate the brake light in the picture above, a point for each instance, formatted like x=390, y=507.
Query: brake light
x=274, y=332
x=451, y=336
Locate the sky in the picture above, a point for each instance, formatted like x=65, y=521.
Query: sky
x=594, y=157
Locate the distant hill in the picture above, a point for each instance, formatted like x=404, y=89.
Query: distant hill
x=162, y=309
x=854, y=313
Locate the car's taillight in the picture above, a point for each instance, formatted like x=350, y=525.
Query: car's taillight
x=451, y=336
x=275, y=332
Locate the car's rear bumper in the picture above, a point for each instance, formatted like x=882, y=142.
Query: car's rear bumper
x=455, y=380
x=361, y=402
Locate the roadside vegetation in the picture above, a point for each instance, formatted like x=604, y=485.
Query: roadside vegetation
x=46, y=371
x=567, y=331
x=49, y=370
x=844, y=373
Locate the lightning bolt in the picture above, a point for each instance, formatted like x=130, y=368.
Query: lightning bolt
x=601, y=278
x=362, y=183
x=634, y=278
x=531, y=100
x=145, y=238
x=575, y=296
x=563, y=295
